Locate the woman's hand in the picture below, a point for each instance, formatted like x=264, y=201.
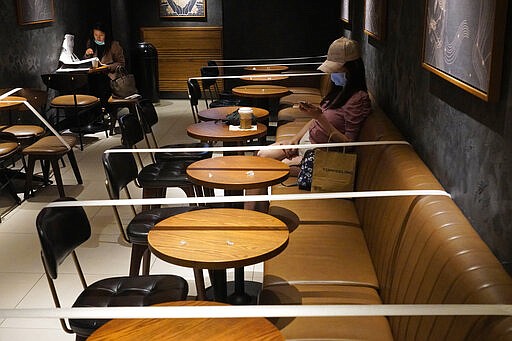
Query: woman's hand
x=89, y=52
x=311, y=109
x=290, y=153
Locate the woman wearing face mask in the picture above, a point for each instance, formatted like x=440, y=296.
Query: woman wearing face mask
x=108, y=51
x=341, y=112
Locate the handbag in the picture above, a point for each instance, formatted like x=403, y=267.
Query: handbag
x=124, y=84
x=305, y=176
x=333, y=171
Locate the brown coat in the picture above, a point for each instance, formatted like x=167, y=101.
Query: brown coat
x=112, y=58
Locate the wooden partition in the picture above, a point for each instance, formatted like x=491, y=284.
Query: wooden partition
x=182, y=51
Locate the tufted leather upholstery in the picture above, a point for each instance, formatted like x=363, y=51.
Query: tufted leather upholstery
x=58, y=241
x=420, y=249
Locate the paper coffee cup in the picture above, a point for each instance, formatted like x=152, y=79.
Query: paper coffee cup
x=245, y=117
x=95, y=63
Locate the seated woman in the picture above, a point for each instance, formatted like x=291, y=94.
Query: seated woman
x=341, y=112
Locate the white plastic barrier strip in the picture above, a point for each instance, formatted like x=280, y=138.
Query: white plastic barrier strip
x=253, y=148
x=252, y=65
x=38, y=115
x=265, y=311
x=263, y=75
x=248, y=198
x=260, y=59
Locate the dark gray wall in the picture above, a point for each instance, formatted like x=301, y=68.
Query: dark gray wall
x=465, y=141
x=31, y=50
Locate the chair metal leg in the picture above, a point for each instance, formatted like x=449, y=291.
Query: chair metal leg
x=58, y=177
x=136, y=258
x=28, y=179
x=74, y=165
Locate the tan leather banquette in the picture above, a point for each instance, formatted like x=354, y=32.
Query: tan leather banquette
x=394, y=250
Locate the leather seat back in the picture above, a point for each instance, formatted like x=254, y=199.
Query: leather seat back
x=442, y=260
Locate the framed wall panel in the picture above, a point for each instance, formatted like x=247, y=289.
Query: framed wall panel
x=375, y=18
x=345, y=11
x=34, y=11
x=463, y=43
x=183, y=9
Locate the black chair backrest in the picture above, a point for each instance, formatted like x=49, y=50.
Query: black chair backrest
x=65, y=82
x=120, y=169
x=214, y=68
x=131, y=130
x=194, y=91
x=148, y=114
x=61, y=230
x=207, y=72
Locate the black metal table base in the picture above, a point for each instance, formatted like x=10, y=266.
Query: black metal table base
x=252, y=290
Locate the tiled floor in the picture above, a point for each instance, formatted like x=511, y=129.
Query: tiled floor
x=22, y=282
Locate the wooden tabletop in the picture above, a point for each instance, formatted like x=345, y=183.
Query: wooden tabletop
x=266, y=68
x=260, y=91
x=238, y=172
x=5, y=104
x=259, y=329
x=218, y=131
x=263, y=78
x=220, y=113
x=218, y=238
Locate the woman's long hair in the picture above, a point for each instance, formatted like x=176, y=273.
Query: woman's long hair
x=108, y=37
x=356, y=81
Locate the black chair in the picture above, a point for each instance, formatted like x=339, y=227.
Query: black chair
x=156, y=177
x=9, y=153
x=82, y=111
x=61, y=231
x=148, y=118
x=121, y=170
x=194, y=95
x=211, y=94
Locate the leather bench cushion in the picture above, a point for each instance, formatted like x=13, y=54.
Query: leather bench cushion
x=293, y=114
x=334, y=254
x=69, y=101
x=187, y=156
x=164, y=174
x=442, y=259
x=50, y=145
x=289, y=129
x=330, y=328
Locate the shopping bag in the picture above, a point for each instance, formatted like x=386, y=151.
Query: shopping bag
x=123, y=85
x=333, y=171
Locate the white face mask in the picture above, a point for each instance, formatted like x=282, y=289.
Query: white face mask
x=339, y=78
x=101, y=43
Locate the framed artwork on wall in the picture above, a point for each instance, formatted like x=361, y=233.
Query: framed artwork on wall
x=463, y=43
x=375, y=18
x=34, y=11
x=183, y=9
x=345, y=11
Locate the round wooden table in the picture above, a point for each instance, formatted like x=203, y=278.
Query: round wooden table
x=260, y=91
x=238, y=172
x=266, y=68
x=218, y=131
x=218, y=239
x=188, y=329
x=263, y=78
x=219, y=113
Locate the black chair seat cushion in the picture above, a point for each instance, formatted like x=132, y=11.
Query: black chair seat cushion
x=190, y=156
x=143, y=222
x=164, y=174
x=135, y=291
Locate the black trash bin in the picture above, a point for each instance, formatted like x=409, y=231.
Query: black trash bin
x=146, y=71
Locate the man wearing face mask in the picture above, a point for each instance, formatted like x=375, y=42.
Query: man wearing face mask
x=341, y=112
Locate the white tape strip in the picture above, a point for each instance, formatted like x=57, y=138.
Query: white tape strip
x=247, y=198
x=252, y=65
x=256, y=60
x=8, y=93
x=265, y=75
x=253, y=148
x=266, y=311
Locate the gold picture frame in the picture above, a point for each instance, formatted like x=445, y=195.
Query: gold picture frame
x=463, y=44
x=32, y=12
x=182, y=9
x=345, y=11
